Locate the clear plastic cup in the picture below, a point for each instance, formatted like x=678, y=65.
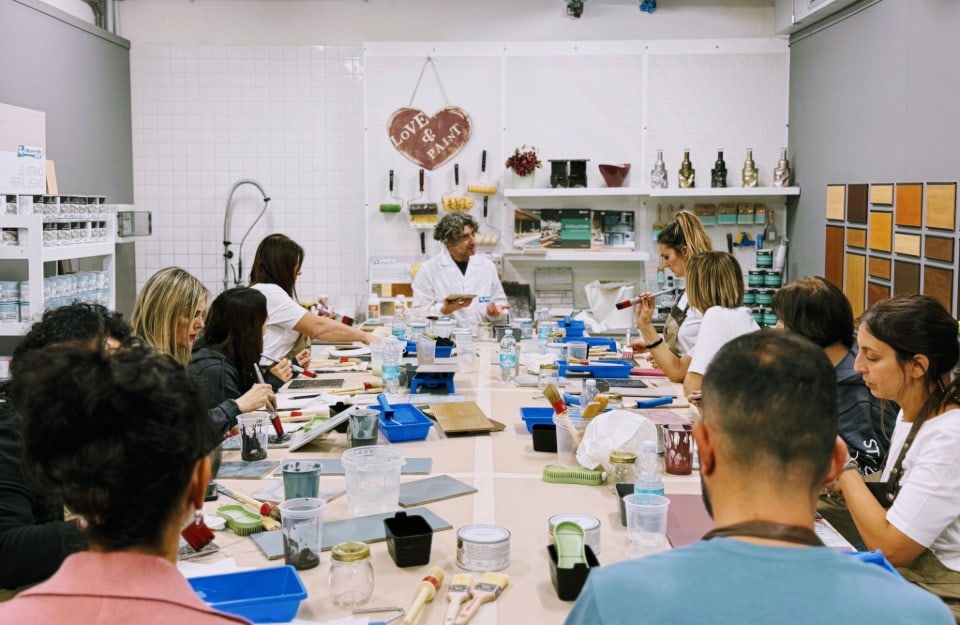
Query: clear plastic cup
x=426, y=350
x=570, y=430
x=373, y=478
x=253, y=435
x=646, y=522
x=302, y=529
x=578, y=350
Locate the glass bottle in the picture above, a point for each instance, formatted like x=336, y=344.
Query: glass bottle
x=658, y=175
x=718, y=175
x=648, y=480
x=749, y=175
x=623, y=468
x=508, y=358
x=400, y=317
x=351, y=574
x=549, y=374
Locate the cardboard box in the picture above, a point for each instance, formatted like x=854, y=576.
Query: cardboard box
x=23, y=151
x=553, y=228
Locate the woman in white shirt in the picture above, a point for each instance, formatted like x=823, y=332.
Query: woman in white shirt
x=908, y=348
x=290, y=327
x=715, y=290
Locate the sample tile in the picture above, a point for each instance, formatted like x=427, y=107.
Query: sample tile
x=879, y=267
x=857, y=238
x=906, y=244
x=909, y=205
x=836, y=201
x=942, y=206
x=939, y=284
x=857, y=203
x=876, y=292
x=881, y=226
x=881, y=194
x=906, y=278
x=833, y=256
x=855, y=281
x=938, y=248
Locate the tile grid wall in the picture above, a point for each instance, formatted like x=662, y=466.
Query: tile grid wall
x=288, y=117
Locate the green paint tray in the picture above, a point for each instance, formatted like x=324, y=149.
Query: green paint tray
x=239, y=520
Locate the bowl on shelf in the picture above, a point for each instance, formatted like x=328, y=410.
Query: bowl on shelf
x=614, y=175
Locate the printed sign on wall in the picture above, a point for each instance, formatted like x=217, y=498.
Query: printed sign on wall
x=429, y=141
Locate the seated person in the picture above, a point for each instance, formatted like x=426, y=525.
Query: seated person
x=457, y=270
x=819, y=311
x=767, y=443
x=33, y=533
x=123, y=440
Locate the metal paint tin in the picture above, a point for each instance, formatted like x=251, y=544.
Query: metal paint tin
x=749, y=297
x=483, y=547
x=590, y=525
x=764, y=296
x=769, y=318
x=773, y=278
x=757, y=313
x=755, y=277
x=764, y=259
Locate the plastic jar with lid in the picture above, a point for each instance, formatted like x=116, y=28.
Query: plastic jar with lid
x=549, y=374
x=623, y=467
x=351, y=574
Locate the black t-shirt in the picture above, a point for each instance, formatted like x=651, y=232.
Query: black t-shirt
x=463, y=266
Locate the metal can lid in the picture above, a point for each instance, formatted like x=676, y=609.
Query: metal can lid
x=549, y=366
x=350, y=552
x=481, y=533
x=587, y=522
x=622, y=457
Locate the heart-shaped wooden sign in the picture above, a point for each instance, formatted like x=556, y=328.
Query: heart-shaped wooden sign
x=429, y=141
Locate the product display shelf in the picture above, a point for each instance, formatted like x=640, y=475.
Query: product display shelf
x=546, y=192
x=577, y=256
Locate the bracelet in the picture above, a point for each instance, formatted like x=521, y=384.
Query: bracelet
x=655, y=343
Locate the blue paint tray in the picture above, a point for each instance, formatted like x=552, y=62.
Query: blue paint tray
x=593, y=341
x=599, y=369
x=407, y=424
x=270, y=595
x=536, y=416
x=443, y=351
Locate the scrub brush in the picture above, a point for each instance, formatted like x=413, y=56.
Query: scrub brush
x=558, y=474
x=240, y=521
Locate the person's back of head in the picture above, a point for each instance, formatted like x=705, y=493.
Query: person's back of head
x=815, y=308
x=168, y=296
x=117, y=437
x=714, y=278
x=276, y=261
x=771, y=396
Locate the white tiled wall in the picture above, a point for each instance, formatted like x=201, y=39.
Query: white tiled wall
x=290, y=118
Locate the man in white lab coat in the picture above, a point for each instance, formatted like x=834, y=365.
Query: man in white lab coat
x=456, y=282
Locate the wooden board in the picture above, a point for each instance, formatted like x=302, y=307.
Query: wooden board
x=879, y=267
x=881, y=226
x=942, y=206
x=461, y=417
x=855, y=281
x=909, y=205
x=833, y=256
x=876, y=292
x=938, y=283
x=938, y=248
x=856, y=238
x=857, y=203
x=881, y=194
x=908, y=244
x=836, y=201
x=906, y=278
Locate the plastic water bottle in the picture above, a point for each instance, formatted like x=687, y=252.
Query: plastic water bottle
x=589, y=392
x=508, y=358
x=400, y=317
x=648, y=481
x=373, y=308
x=392, y=352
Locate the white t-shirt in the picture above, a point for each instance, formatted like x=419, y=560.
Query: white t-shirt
x=283, y=313
x=719, y=326
x=690, y=328
x=927, y=508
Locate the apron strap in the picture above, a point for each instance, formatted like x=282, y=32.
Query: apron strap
x=769, y=530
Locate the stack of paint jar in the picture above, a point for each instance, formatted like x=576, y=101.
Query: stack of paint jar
x=762, y=282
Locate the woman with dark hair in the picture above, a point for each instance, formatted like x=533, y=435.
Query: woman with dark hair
x=290, y=328
x=123, y=440
x=908, y=347
x=816, y=309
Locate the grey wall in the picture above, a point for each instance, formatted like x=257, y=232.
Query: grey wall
x=874, y=97
x=80, y=77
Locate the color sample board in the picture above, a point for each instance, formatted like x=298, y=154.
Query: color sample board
x=242, y=470
x=432, y=489
x=941, y=206
x=833, y=265
x=333, y=466
x=909, y=205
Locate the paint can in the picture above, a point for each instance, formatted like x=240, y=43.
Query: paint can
x=483, y=547
x=590, y=525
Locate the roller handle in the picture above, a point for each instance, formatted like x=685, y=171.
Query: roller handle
x=421, y=187
x=483, y=161
x=391, y=181
x=262, y=506
x=456, y=174
x=485, y=198
x=385, y=406
x=423, y=242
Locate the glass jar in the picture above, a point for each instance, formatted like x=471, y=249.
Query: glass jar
x=549, y=373
x=351, y=574
x=623, y=468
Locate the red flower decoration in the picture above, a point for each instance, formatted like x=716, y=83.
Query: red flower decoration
x=523, y=161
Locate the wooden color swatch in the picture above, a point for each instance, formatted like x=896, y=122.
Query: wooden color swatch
x=908, y=244
x=876, y=292
x=462, y=417
x=942, y=206
x=855, y=281
x=833, y=256
x=906, y=277
x=938, y=248
x=836, y=201
x=857, y=203
x=881, y=194
x=909, y=205
x=856, y=238
x=881, y=227
x=879, y=267
x=938, y=283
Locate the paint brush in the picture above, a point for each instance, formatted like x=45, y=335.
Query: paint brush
x=426, y=591
x=197, y=536
x=458, y=592
x=264, y=508
x=627, y=303
x=372, y=387
x=487, y=589
x=274, y=417
x=553, y=396
x=293, y=365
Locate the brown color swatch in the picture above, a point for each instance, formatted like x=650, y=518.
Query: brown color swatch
x=857, y=203
x=881, y=226
x=879, y=267
x=855, y=281
x=876, y=292
x=908, y=244
x=909, y=205
x=906, y=278
x=939, y=284
x=881, y=194
x=942, y=206
x=856, y=238
x=836, y=201
x=938, y=248
x=833, y=256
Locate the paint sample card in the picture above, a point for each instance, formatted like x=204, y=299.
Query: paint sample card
x=242, y=470
x=432, y=489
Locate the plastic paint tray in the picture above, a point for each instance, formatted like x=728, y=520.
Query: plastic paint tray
x=407, y=424
x=604, y=369
x=443, y=351
x=270, y=595
x=536, y=416
x=593, y=341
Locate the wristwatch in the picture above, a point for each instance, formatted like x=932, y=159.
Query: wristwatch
x=851, y=464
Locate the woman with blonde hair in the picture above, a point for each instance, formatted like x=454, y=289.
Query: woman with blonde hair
x=678, y=242
x=715, y=291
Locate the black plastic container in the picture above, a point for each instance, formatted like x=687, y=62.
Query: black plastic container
x=624, y=489
x=409, y=539
x=569, y=582
x=544, y=437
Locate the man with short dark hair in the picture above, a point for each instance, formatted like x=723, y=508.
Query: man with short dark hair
x=767, y=443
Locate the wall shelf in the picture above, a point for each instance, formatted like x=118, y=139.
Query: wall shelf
x=578, y=256
x=575, y=192
x=546, y=192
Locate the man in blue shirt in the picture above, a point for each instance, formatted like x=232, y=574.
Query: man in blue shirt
x=768, y=443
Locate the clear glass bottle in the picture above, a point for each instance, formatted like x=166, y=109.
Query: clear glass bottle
x=400, y=317
x=549, y=374
x=648, y=480
x=508, y=358
x=351, y=574
x=623, y=468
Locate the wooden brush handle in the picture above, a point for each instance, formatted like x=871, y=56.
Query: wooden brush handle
x=471, y=608
x=263, y=507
